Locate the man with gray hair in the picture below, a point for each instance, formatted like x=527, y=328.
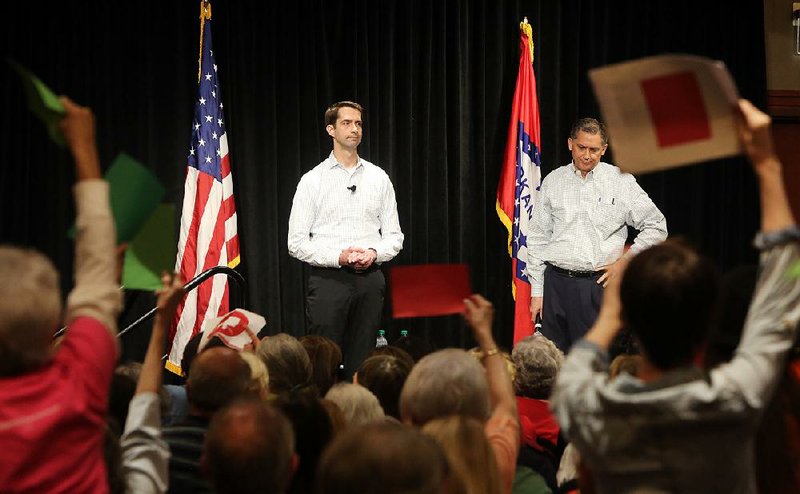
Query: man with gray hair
x=452, y=382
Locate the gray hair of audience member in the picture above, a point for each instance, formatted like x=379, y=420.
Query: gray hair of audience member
x=357, y=403
x=382, y=458
x=590, y=126
x=447, y=382
x=384, y=376
x=249, y=448
x=287, y=362
x=30, y=309
x=217, y=377
x=537, y=360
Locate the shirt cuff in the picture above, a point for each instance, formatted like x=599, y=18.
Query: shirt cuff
x=768, y=240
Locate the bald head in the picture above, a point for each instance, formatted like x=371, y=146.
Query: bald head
x=217, y=377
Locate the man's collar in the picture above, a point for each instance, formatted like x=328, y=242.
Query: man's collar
x=335, y=162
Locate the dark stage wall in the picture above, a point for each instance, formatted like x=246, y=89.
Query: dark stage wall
x=436, y=78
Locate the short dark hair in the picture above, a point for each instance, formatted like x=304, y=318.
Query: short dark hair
x=385, y=375
x=249, y=446
x=332, y=113
x=590, y=126
x=668, y=295
x=382, y=458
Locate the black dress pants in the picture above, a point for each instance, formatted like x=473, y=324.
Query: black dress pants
x=347, y=307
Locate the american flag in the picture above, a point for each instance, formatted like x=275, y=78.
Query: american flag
x=520, y=179
x=208, y=235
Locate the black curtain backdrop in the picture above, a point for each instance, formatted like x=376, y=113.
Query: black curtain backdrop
x=436, y=78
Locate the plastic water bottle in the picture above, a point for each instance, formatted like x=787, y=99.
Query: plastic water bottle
x=381, y=341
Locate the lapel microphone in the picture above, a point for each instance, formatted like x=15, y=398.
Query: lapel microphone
x=352, y=188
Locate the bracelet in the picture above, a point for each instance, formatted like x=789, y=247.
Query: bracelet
x=490, y=352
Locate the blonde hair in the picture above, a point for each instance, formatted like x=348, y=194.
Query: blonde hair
x=259, y=374
x=469, y=453
x=30, y=309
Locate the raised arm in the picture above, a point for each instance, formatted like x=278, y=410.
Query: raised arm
x=771, y=325
x=96, y=293
x=479, y=314
x=145, y=455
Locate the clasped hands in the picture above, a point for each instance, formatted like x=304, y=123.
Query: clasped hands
x=357, y=258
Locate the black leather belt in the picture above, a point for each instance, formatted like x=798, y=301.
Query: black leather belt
x=575, y=274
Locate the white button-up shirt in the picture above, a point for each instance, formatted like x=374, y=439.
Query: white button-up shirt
x=335, y=208
x=580, y=224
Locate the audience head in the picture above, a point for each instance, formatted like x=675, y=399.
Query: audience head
x=668, y=294
x=287, y=362
x=338, y=420
x=30, y=309
x=382, y=458
x=469, y=453
x=217, y=377
x=384, y=376
x=537, y=361
x=394, y=351
x=313, y=431
x=326, y=357
x=249, y=448
x=447, y=382
x=190, y=351
x=357, y=403
x=414, y=345
x=123, y=387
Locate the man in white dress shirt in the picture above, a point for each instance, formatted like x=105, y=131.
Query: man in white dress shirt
x=578, y=233
x=344, y=223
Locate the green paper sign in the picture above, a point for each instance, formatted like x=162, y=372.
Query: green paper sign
x=151, y=252
x=134, y=193
x=42, y=102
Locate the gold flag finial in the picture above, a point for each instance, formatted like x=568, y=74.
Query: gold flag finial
x=205, y=14
x=528, y=30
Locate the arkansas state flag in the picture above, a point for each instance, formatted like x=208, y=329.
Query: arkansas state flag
x=520, y=179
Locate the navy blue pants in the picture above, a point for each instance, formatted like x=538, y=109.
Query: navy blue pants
x=570, y=307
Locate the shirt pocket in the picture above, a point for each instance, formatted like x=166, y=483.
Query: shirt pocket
x=608, y=216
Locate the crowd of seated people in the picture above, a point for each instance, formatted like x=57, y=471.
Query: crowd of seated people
x=682, y=415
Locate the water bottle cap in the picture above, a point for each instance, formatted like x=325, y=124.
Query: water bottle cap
x=381, y=332
x=403, y=332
